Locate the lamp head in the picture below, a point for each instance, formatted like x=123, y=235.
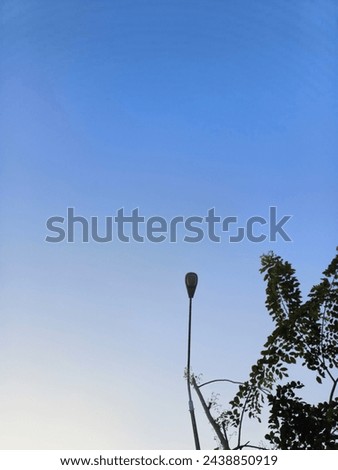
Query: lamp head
x=191, y=280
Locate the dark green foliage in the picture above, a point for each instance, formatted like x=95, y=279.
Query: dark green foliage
x=305, y=333
x=296, y=424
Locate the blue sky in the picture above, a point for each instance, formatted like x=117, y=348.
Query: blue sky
x=173, y=107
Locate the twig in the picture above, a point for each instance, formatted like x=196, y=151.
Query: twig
x=220, y=380
x=251, y=447
x=241, y=420
x=333, y=390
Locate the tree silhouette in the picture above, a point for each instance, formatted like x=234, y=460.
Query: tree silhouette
x=305, y=333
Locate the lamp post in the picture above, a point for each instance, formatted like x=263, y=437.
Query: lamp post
x=191, y=280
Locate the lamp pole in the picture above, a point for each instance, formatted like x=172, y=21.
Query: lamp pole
x=191, y=280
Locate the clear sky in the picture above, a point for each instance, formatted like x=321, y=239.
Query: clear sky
x=173, y=107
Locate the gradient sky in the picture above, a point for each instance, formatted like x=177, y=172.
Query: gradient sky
x=173, y=107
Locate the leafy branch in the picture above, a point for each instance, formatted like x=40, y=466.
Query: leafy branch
x=304, y=333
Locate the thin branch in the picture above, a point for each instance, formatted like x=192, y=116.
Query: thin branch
x=264, y=390
x=333, y=390
x=241, y=420
x=322, y=326
x=327, y=370
x=225, y=433
x=220, y=380
x=251, y=447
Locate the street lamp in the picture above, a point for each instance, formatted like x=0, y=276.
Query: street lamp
x=191, y=280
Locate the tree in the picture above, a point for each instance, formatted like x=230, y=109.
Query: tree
x=304, y=333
